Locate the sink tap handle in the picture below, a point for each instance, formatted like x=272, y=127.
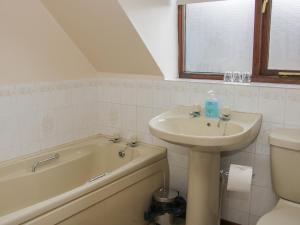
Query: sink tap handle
x=116, y=138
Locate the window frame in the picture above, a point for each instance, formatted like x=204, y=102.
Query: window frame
x=260, y=71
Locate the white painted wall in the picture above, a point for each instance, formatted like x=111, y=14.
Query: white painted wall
x=156, y=23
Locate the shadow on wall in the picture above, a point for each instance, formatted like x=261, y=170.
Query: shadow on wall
x=104, y=34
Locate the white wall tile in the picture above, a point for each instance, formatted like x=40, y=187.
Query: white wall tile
x=180, y=94
x=64, y=118
x=246, y=98
x=145, y=93
x=237, y=200
x=9, y=138
x=129, y=92
x=114, y=116
x=262, y=143
x=62, y=98
x=161, y=94
x=7, y=101
x=144, y=115
x=251, y=148
x=103, y=110
x=292, y=109
x=48, y=130
x=262, y=170
x=198, y=93
x=178, y=179
x=262, y=200
x=129, y=117
x=145, y=137
x=178, y=159
x=29, y=132
x=103, y=90
x=242, y=158
x=272, y=104
x=37, y=116
x=114, y=91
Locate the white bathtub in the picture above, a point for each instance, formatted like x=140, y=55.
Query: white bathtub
x=61, y=191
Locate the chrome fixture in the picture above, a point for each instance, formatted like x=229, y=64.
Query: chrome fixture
x=224, y=117
x=116, y=139
x=195, y=114
x=45, y=161
x=132, y=143
x=122, y=153
x=97, y=177
x=196, y=111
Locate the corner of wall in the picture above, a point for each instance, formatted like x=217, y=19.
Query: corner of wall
x=156, y=23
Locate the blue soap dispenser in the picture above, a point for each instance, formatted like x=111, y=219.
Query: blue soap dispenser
x=212, y=109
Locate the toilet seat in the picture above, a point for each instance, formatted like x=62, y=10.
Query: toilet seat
x=284, y=213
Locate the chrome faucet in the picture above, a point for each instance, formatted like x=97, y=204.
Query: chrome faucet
x=196, y=112
x=131, y=143
x=224, y=117
x=43, y=162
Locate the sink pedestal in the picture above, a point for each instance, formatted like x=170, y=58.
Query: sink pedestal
x=203, y=188
x=206, y=138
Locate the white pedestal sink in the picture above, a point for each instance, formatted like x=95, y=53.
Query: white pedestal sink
x=206, y=139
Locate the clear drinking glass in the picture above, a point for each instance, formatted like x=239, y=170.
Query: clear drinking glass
x=246, y=77
x=228, y=77
x=236, y=77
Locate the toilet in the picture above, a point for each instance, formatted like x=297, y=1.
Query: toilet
x=285, y=165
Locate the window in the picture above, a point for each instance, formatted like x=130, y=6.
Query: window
x=261, y=36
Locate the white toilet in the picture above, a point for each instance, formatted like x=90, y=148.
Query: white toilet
x=285, y=162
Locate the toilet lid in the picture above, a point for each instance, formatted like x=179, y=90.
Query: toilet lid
x=285, y=213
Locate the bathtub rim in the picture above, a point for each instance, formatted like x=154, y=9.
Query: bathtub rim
x=45, y=206
x=63, y=147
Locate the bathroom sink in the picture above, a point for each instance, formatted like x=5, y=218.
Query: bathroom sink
x=206, y=139
x=178, y=127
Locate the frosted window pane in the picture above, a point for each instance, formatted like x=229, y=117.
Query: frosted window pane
x=285, y=35
x=219, y=36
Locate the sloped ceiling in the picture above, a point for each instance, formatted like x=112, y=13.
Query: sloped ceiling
x=156, y=23
x=103, y=32
x=35, y=48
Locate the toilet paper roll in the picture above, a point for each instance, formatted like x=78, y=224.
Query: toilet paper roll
x=239, y=178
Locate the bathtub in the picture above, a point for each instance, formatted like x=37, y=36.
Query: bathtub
x=90, y=183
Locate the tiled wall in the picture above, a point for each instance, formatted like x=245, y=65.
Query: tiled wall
x=34, y=117
x=37, y=116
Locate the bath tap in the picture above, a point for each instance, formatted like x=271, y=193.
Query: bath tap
x=42, y=162
x=116, y=138
x=122, y=153
x=132, y=142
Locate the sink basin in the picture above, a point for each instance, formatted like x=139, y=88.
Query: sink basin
x=176, y=126
x=206, y=138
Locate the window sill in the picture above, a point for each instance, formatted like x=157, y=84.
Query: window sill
x=252, y=84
